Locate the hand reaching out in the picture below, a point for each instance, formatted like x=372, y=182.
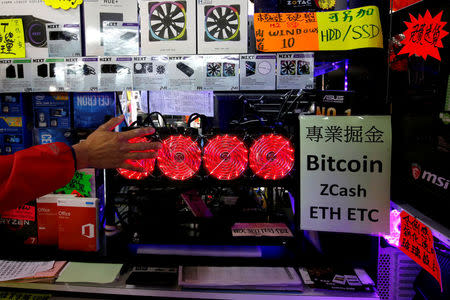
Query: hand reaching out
x=105, y=149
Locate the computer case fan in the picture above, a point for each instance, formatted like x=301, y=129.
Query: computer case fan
x=180, y=157
x=167, y=21
x=222, y=23
x=272, y=157
x=213, y=69
x=225, y=157
x=287, y=67
x=147, y=164
x=229, y=69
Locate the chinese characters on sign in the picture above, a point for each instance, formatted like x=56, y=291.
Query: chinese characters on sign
x=342, y=190
x=337, y=30
x=416, y=241
x=64, y=4
x=12, y=41
x=424, y=36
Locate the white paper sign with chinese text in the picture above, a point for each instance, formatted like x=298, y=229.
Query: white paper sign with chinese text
x=345, y=167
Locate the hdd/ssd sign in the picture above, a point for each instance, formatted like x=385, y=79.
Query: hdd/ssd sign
x=343, y=190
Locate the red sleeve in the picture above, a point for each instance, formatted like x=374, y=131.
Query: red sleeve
x=34, y=172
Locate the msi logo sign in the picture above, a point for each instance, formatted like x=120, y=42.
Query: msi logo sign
x=415, y=169
x=432, y=178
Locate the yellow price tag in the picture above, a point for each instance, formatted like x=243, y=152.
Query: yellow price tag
x=64, y=4
x=12, y=39
x=350, y=29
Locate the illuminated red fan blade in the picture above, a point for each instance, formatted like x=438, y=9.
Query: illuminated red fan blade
x=272, y=157
x=226, y=157
x=180, y=157
x=147, y=164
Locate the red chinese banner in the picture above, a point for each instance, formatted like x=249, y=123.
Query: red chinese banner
x=416, y=241
x=400, y=4
x=424, y=36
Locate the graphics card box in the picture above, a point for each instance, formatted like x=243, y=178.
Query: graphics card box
x=78, y=224
x=98, y=11
x=19, y=225
x=35, y=15
x=47, y=218
x=222, y=26
x=168, y=27
x=51, y=110
x=90, y=109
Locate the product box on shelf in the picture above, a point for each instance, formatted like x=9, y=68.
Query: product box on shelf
x=12, y=142
x=47, y=218
x=78, y=224
x=168, y=27
x=35, y=15
x=258, y=72
x=11, y=105
x=19, y=225
x=98, y=11
x=16, y=75
x=221, y=72
x=295, y=70
x=53, y=135
x=91, y=109
x=222, y=26
x=51, y=110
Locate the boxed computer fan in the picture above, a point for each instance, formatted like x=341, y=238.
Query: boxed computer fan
x=115, y=73
x=221, y=72
x=185, y=72
x=168, y=27
x=120, y=38
x=222, y=26
x=15, y=75
x=96, y=12
x=51, y=110
x=48, y=74
x=35, y=15
x=257, y=72
x=150, y=72
x=295, y=71
x=91, y=109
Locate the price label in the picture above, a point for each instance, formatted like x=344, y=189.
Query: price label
x=12, y=39
x=64, y=4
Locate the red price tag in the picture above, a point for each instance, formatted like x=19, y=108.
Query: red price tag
x=416, y=241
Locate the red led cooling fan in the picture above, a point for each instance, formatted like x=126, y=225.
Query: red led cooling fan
x=226, y=157
x=180, y=157
x=272, y=157
x=148, y=164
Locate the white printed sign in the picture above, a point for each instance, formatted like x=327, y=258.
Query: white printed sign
x=345, y=171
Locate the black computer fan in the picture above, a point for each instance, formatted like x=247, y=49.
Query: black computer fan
x=213, y=69
x=287, y=67
x=229, y=69
x=167, y=21
x=222, y=23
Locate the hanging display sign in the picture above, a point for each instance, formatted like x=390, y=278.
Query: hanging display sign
x=416, y=241
x=424, y=36
x=64, y=4
x=12, y=39
x=342, y=190
x=311, y=31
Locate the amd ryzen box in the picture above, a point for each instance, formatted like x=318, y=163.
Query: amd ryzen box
x=47, y=218
x=222, y=26
x=35, y=15
x=168, y=27
x=78, y=224
x=98, y=11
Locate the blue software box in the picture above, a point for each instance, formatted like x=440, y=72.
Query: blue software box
x=12, y=142
x=52, y=135
x=90, y=109
x=51, y=110
x=11, y=105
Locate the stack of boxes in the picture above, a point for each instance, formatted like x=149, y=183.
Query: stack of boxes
x=13, y=124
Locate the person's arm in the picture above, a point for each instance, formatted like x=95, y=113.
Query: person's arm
x=42, y=169
x=34, y=172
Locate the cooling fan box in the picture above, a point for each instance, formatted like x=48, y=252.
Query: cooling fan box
x=168, y=27
x=221, y=72
x=98, y=11
x=222, y=27
x=35, y=15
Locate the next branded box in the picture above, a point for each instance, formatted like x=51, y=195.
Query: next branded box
x=90, y=109
x=78, y=224
x=51, y=110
